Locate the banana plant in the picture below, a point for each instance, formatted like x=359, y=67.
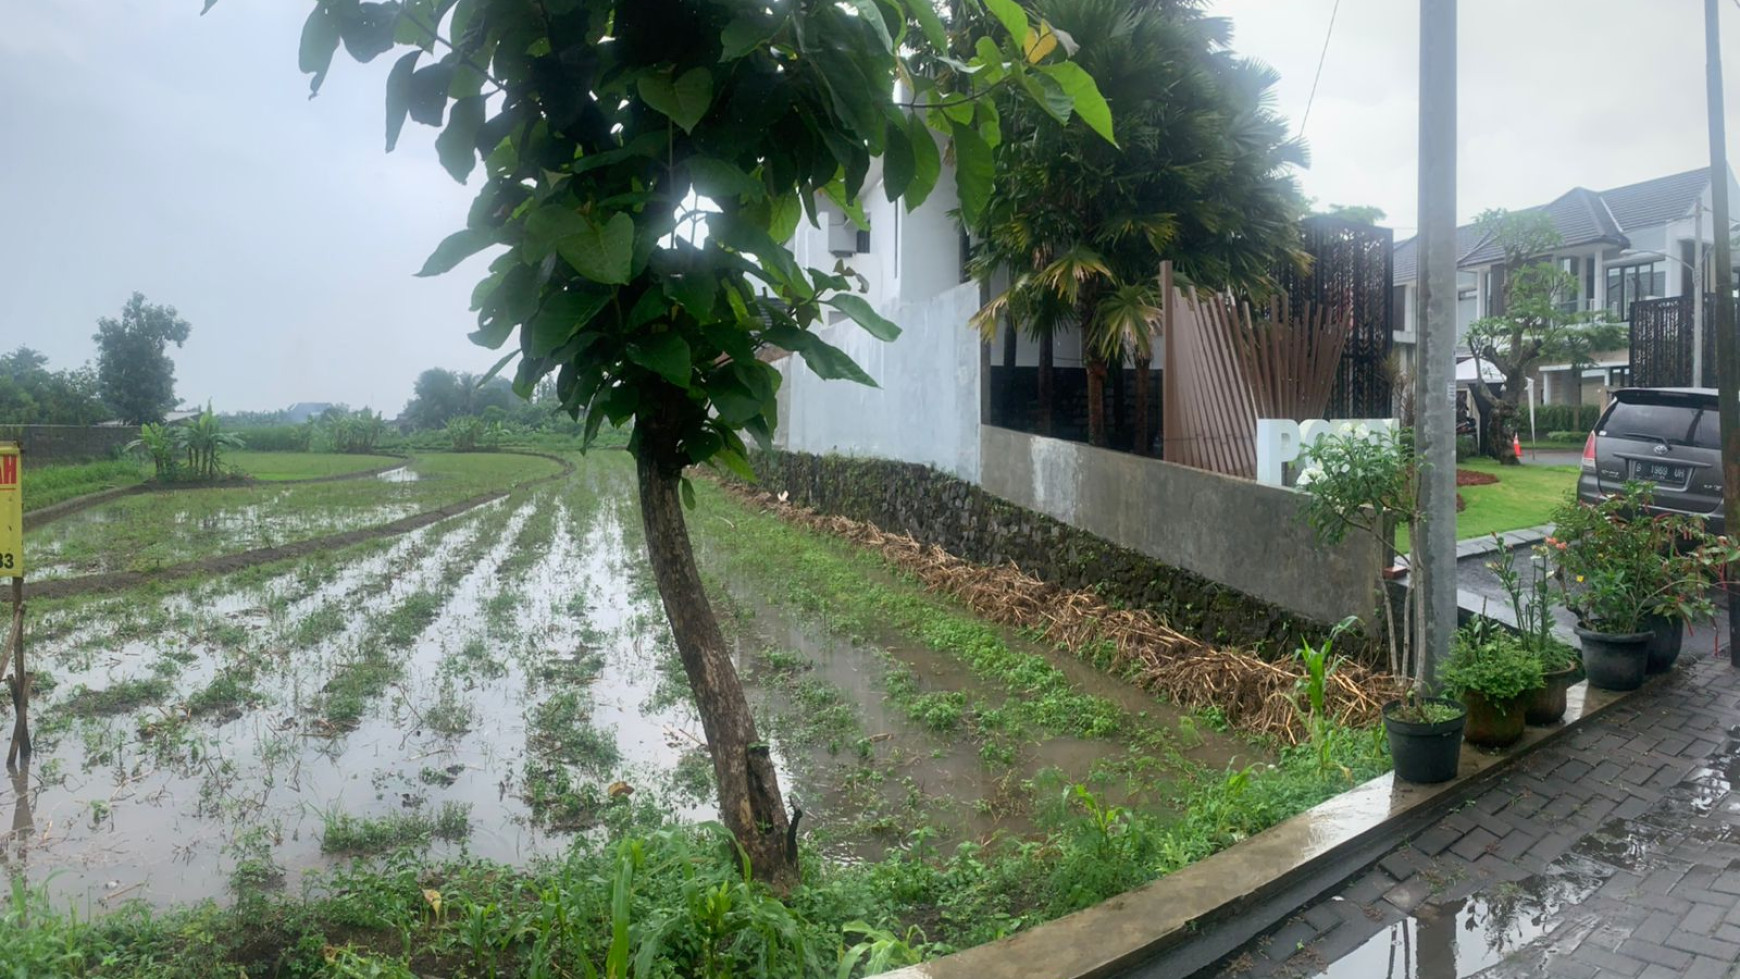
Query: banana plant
x=160, y=443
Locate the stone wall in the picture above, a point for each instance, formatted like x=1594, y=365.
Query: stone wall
x=68, y=443
x=938, y=508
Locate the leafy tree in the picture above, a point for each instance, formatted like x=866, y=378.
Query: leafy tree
x=1537, y=320
x=135, y=376
x=1201, y=178
x=1357, y=213
x=612, y=134
x=31, y=394
x=440, y=394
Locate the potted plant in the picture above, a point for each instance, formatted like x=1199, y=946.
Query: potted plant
x=1630, y=575
x=1531, y=605
x=1358, y=479
x=1496, y=674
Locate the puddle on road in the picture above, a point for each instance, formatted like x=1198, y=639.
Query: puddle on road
x=1513, y=931
x=535, y=604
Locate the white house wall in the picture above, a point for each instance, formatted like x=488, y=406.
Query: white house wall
x=926, y=409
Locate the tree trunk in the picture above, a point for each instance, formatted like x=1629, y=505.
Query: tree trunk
x=750, y=805
x=1574, y=394
x=1144, y=377
x=1046, y=401
x=1096, y=395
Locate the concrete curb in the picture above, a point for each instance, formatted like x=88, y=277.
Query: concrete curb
x=1191, y=919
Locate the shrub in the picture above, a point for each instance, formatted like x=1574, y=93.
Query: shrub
x=1577, y=419
x=1466, y=448
x=1496, y=664
x=276, y=438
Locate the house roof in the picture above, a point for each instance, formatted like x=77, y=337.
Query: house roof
x=1582, y=217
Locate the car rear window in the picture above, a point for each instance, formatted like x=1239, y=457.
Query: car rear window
x=1648, y=421
x=1707, y=434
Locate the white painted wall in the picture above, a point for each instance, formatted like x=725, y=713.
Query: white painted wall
x=926, y=409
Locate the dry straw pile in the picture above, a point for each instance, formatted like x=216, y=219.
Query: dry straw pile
x=1251, y=693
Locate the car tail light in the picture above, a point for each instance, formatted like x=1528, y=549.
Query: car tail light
x=1589, y=452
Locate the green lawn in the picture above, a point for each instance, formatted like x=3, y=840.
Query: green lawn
x=275, y=466
x=1524, y=496
x=48, y=485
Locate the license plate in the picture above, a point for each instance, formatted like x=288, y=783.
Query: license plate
x=1658, y=472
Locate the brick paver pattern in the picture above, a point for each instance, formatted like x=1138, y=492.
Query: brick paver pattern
x=1611, y=852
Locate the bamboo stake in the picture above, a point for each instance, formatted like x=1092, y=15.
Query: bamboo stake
x=18, y=683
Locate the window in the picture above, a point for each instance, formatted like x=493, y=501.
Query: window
x=1572, y=267
x=1651, y=422
x=1627, y=284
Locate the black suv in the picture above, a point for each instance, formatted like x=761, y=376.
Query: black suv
x=1667, y=436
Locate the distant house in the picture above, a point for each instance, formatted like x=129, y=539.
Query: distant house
x=301, y=411
x=1629, y=243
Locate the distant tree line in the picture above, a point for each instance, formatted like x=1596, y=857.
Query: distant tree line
x=441, y=396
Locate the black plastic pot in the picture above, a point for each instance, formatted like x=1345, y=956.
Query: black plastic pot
x=1615, y=661
x=1666, y=637
x=1547, y=704
x=1425, y=753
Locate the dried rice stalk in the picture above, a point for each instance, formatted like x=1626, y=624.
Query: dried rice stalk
x=1252, y=694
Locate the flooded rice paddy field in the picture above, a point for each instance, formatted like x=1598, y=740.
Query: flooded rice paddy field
x=155, y=530
x=499, y=683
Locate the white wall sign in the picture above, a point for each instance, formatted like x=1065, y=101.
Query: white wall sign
x=1282, y=440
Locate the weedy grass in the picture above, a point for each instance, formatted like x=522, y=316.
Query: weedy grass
x=44, y=486
x=118, y=697
x=358, y=836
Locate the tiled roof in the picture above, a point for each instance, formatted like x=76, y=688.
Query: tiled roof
x=1582, y=217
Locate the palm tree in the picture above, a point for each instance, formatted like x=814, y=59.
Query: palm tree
x=1200, y=176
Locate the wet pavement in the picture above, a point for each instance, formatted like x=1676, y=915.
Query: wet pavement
x=1612, y=852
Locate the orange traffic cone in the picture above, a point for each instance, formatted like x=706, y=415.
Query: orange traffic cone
x=1516, y=446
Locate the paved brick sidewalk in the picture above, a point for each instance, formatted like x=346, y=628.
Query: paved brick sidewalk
x=1613, y=852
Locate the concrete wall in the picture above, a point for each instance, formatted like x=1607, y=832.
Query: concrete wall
x=1238, y=533
x=926, y=409
x=68, y=443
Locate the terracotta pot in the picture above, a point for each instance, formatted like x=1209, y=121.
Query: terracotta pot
x=1494, y=723
x=1547, y=705
x=1614, y=661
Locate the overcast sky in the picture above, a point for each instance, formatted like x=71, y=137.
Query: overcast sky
x=147, y=148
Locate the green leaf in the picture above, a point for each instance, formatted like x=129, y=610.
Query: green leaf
x=688, y=494
x=684, y=101
x=319, y=43
x=602, y=254
x=720, y=180
x=1048, y=95
x=898, y=164
x=745, y=33
x=989, y=59
x=428, y=93
x=865, y=316
x=926, y=162
x=457, y=143
x=562, y=316
x=734, y=461
x=493, y=371
x=665, y=354
x=740, y=235
x=1089, y=103
x=456, y=248
x=367, y=28
x=830, y=362
x=871, y=14
x=1013, y=17
x=399, y=96
x=784, y=215
x=924, y=11
x=974, y=172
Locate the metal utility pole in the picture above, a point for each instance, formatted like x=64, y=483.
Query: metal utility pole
x=1432, y=567
x=1698, y=293
x=1727, y=347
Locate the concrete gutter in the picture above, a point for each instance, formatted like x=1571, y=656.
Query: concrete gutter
x=1190, y=919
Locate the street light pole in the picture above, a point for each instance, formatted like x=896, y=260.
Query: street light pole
x=1727, y=346
x=1432, y=567
x=1698, y=294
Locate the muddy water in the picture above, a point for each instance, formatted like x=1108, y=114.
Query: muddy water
x=536, y=599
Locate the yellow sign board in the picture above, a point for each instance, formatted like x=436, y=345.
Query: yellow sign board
x=11, y=514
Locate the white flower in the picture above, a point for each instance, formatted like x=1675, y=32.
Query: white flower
x=1309, y=475
x=1362, y=430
